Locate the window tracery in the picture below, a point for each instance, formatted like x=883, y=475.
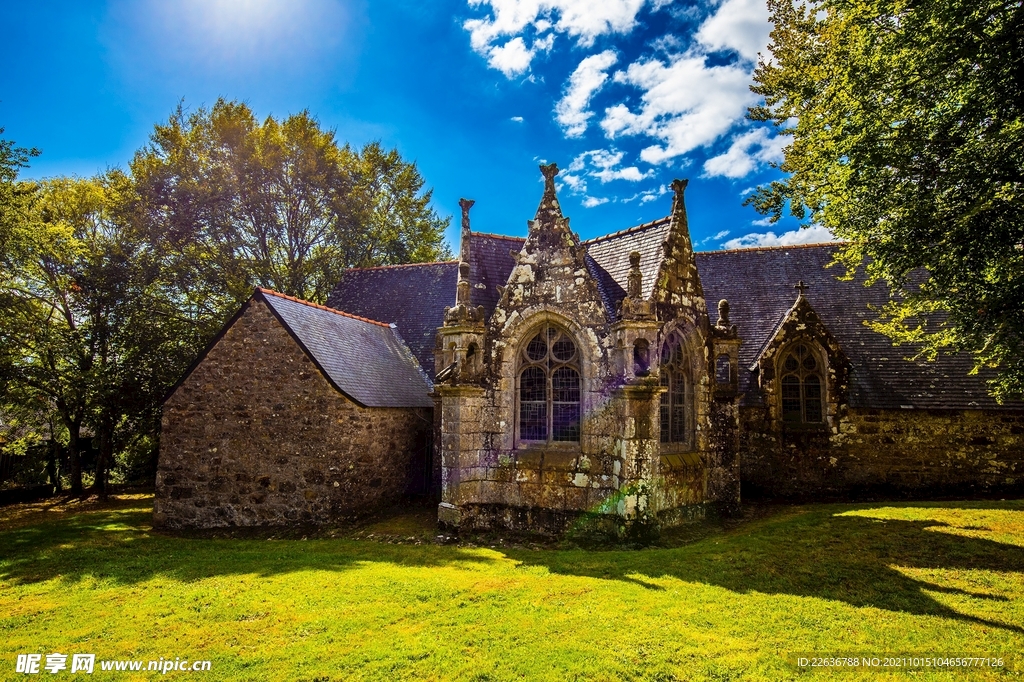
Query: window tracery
x=677, y=400
x=802, y=386
x=549, y=388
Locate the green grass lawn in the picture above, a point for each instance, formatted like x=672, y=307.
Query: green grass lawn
x=735, y=603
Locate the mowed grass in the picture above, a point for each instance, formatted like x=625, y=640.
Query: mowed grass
x=736, y=603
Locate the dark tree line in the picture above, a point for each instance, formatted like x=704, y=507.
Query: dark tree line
x=112, y=285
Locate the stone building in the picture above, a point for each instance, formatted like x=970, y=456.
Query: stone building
x=575, y=384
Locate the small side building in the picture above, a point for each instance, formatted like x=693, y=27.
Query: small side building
x=295, y=414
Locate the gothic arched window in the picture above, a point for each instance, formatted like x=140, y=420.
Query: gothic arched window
x=677, y=401
x=549, y=388
x=802, y=386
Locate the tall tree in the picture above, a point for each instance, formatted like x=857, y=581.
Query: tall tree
x=234, y=203
x=92, y=337
x=908, y=141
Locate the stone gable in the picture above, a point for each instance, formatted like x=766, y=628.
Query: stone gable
x=256, y=435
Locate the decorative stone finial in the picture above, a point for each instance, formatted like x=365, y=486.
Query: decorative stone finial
x=679, y=186
x=462, y=295
x=549, y=172
x=465, y=204
x=801, y=288
x=723, y=313
x=635, y=281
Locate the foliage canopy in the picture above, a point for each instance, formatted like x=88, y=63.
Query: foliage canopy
x=908, y=141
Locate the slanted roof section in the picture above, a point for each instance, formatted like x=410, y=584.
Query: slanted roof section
x=759, y=286
x=364, y=359
x=489, y=267
x=609, y=259
x=412, y=297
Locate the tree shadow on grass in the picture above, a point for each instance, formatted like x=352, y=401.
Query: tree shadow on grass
x=820, y=553
x=118, y=546
x=816, y=552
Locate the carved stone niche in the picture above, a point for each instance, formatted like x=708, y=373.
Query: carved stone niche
x=724, y=369
x=635, y=353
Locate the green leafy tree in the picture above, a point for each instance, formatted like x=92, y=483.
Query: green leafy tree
x=234, y=203
x=908, y=141
x=93, y=336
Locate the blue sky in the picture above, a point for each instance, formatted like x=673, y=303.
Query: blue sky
x=624, y=95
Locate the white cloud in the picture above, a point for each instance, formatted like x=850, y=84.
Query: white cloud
x=816, y=234
x=512, y=58
x=749, y=152
x=583, y=20
x=741, y=26
x=571, y=111
x=714, y=238
x=602, y=164
x=517, y=119
x=761, y=222
x=591, y=202
x=685, y=104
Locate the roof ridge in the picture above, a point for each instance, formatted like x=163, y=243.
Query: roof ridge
x=635, y=228
x=497, y=236
x=271, y=292
x=405, y=265
x=777, y=247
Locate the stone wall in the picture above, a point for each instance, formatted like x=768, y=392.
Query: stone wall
x=885, y=453
x=257, y=436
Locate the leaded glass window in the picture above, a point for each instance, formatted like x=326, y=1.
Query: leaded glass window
x=677, y=400
x=802, y=385
x=549, y=388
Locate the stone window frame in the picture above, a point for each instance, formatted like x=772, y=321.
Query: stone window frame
x=678, y=367
x=549, y=363
x=819, y=370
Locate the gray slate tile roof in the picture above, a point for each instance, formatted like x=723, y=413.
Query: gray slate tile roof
x=490, y=266
x=609, y=259
x=759, y=286
x=411, y=297
x=758, y=283
x=364, y=359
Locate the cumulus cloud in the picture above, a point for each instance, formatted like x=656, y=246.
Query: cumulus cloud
x=583, y=20
x=748, y=152
x=591, y=202
x=572, y=111
x=512, y=58
x=685, y=104
x=517, y=119
x=816, y=234
x=741, y=26
x=603, y=165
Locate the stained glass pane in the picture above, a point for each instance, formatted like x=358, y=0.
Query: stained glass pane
x=791, y=364
x=791, y=399
x=537, y=348
x=533, y=385
x=809, y=362
x=564, y=349
x=812, y=398
x=533, y=420
x=565, y=383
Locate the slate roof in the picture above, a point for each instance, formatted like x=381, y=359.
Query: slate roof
x=490, y=266
x=759, y=286
x=609, y=259
x=758, y=283
x=411, y=297
x=364, y=359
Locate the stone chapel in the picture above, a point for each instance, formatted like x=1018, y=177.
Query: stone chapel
x=548, y=383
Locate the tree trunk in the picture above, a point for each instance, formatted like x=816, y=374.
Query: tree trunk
x=106, y=455
x=75, y=456
x=53, y=464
